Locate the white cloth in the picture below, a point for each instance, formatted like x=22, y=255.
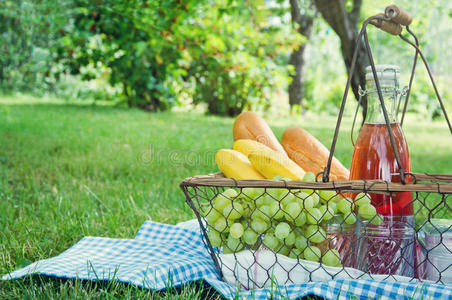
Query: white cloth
x=263, y=268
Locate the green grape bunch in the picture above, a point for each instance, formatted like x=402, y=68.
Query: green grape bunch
x=290, y=222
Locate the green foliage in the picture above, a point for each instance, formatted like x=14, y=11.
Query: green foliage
x=433, y=27
x=233, y=52
x=423, y=100
x=29, y=31
x=138, y=42
x=229, y=54
x=157, y=50
x=326, y=72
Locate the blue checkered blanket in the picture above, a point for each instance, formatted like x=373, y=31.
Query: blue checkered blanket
x=163, y=255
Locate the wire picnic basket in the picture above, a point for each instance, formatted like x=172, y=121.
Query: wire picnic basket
x=262, y=232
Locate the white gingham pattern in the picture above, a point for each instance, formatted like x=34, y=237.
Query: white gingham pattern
x=163, y=255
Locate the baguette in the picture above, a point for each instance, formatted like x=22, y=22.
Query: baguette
x=250, y=126
x=310, y=154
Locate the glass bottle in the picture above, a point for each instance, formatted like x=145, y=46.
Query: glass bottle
x=387, y=248
x=373, y=156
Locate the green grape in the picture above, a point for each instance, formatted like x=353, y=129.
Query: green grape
x=331, y=258
x=306, y=191
x=274, y=211
x=350, y=218
x=234, y=244
x=327, y=212
x=270, y=241
x=233, y=211
x=314, y=216
x=275, y=193
x=245, y=223
x=259, y=225
x=262, y=200
x=284, y=250
x=300, y=220
x=361, y=199
x=282, y=230
x=345, y=206
x=305, y=201
x=220, y=202
x=226, y=250
x=315, y=199
x=290, y=239
x=332, y=206
x=287, y=198
x=367, y=211
x=248, y=193
x=296, y=253
x=377, y=220
x=308, y=199
x=214, y=238
x=301, y=242
x=251, y=193
x=292, y=211
x=248, y=208
x=250, y=237
x=309, y=176
x=230, y=193
x=261, y=213
x=327, y=195
x=269, y=199
x=236, y=230
x=221, y=225
x=315, y=234
x=212, y=216
x=312, y=253
x=278, y=177
x=295, y=191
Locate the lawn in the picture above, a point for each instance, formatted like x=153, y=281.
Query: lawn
x=69, y=170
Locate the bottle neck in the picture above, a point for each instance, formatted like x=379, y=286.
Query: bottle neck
x=374, y=109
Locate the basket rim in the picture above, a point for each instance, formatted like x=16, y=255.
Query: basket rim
x=433, y=186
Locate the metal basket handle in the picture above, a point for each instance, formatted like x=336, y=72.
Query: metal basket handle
x=391, y=22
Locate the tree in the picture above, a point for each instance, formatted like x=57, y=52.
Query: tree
x=302, y=15
x=237, y=55
x=29, y=32
x=224, y=53
x=140, y=43
x=344, y=22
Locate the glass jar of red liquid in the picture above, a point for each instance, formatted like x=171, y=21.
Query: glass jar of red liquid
x=387, y=248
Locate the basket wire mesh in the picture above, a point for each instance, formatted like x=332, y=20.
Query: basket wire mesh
x=374, y=247
x=262, y=232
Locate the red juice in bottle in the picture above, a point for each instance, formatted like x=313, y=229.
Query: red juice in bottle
x=374, y=158
x=387, y=248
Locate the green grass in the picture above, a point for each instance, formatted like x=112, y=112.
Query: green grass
x=72, y=170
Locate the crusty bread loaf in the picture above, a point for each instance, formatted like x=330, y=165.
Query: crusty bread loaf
x=310, y=154
x=250, y=126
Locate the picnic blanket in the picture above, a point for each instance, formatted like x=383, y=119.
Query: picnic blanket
x=163, y=255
